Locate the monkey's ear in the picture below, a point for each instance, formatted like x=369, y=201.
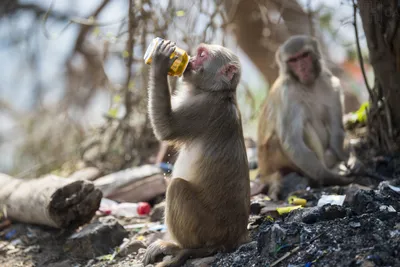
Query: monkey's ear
x=229, y=70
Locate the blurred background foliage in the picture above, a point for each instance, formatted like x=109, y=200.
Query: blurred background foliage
x=73, y=84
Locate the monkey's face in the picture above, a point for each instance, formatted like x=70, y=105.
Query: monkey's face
x=213, y=67
x=301, y=65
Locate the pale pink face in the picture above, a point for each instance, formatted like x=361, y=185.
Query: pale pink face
x=301, y=65
x=198, y=60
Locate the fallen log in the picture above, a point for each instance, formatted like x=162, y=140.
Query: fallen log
x=144, y=189
x=116, y=181
x=51, y=200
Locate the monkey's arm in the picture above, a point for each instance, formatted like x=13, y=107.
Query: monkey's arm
x=337, y=132
x=292, y=131
x=171, y=124
x=189, y=119
x=159, y=104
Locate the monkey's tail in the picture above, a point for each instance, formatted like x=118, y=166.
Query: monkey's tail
x=185, y=254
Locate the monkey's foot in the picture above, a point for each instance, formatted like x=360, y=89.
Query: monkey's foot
x=157, y=249
x=256, y=187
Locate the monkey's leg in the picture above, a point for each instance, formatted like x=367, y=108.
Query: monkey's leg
x=312, y=140
x=184, y=215
x=159, y=248
x=330, y=159
x=186, y=254
x=275, y=184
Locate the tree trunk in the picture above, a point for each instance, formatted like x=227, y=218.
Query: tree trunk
x=380, y=22
x=50, y=200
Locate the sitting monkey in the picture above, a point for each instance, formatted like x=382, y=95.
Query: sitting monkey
x=208, y=197
x=300, y=125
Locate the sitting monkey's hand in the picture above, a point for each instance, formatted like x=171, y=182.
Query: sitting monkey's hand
x=161, y=58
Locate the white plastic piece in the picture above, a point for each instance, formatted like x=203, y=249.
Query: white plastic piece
x=331, y=199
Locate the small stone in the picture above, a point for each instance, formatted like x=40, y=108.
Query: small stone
x=96, y=239
x=355, y=224
x=132, y=247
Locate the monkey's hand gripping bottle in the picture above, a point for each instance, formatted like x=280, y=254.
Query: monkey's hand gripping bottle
x=178, y=66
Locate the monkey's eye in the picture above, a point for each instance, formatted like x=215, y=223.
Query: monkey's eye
x=202, y=53
x=306, y=54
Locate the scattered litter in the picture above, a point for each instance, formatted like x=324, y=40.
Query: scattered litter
x=394, y=188
x=387, y=208
x=10, y=234
x=139, y=226
x=160, y=227
x=297, y=201
x=166, y=167
x=331, y=199
x=126, y=209
x=16, y=242
x=140, y=238
x=284, y=210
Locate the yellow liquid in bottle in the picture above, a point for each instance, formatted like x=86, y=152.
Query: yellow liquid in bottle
x=178, y=66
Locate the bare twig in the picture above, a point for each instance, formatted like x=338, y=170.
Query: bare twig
x=87, y=22
x=129, y=49
x=359, y=51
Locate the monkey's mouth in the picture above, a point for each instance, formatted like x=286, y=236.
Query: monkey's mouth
x=188, y=69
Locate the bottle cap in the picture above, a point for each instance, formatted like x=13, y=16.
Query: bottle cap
x=143, y=208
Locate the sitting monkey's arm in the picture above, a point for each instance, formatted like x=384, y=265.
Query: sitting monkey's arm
x=189, y=119
x=159, y=106
x=292, y=132
x=337, y=132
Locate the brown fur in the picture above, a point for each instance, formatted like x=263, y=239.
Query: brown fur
x=208, y=197
x=300, y=126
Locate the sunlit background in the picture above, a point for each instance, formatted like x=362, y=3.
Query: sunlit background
x=48, y=101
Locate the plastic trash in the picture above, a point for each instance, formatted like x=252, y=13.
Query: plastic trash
x=126, y=209
x=284, y=210
x=331, y=199
x=297, y=201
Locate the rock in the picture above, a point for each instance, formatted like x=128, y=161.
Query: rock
x=157, y=213
x=95, y=239
x=316, y=214
x=255, y=208
x=351, y=190
x=274, y=236
x=372, y=200
x=131, y=247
